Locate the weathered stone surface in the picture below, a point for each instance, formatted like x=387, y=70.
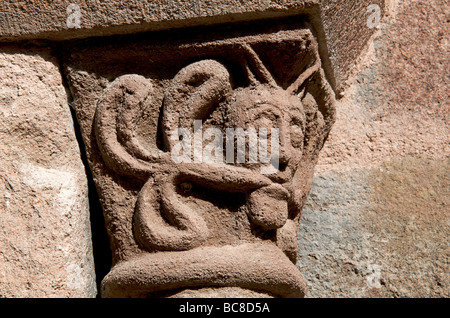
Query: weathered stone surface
x=201, y=228
x=377, y=221
x=45, y=246
x=345, y=28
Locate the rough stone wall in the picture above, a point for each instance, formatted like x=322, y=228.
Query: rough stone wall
x=45, y=240
x=377, y=220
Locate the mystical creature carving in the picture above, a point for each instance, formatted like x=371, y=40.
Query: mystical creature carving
x=168, y=220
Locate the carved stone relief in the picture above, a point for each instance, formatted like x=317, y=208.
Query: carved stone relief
x=197, y=227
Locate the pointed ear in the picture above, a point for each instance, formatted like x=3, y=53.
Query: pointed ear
x=123, y=103
x=192, y=94
x=256, y=69
x=306, y=74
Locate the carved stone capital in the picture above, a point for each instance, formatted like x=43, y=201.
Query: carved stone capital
x=182, y=222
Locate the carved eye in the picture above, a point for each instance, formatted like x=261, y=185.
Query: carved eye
x=265, y=118
x=263, y=123
x=296, y=134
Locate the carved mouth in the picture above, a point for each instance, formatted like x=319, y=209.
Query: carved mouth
x=258, y=267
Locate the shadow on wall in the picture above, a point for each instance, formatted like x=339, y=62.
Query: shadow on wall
x=100, y=243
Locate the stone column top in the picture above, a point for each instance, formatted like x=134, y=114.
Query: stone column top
x=341, y=25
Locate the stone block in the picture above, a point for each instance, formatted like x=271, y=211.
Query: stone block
x=45, y=238
x=340, y=25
